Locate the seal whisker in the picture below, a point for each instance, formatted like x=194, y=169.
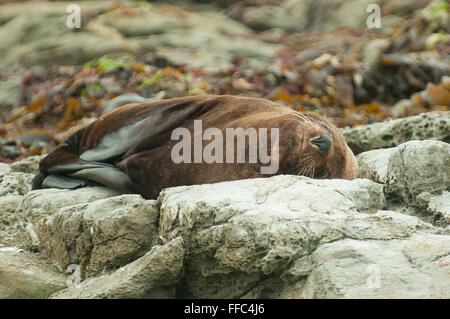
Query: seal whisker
x=303, y=164
x=307, y=165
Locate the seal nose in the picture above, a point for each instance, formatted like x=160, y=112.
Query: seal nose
x=323, y=142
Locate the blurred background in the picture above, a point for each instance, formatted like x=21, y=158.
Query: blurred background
x=325, y=56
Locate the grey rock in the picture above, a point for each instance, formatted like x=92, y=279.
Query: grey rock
x=154, y=275
x=12, y=231
x=306, y=15
x=416, y=174
x=15, y=183
x=214, y=50
x=99, y=236
x=239, y=233
x=9, y=203
x=27, y=165
x=279, y=237
x=440, y=205
x=413, y=268
x=291, y=15
x=24, y=276
x=44, y=202
x=374, y=164
x=38, y=204
x=56, y=8
x=4, y=169
x=37, y=34
x=426, y=126
x=72, y=48
x=12, y=189
x=31, y=39
x=410, y=169
x=417, y=167
x=350, y=13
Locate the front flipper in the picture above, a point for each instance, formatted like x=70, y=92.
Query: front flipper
x=76, y=165
x=125, y=138
x=61, y=181
x=109, y=176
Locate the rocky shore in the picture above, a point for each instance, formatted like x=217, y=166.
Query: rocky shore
x=383, y=235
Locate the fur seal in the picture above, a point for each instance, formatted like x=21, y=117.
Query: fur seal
x=131, y=148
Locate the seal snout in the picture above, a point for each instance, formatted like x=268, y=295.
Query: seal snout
x=323, y=142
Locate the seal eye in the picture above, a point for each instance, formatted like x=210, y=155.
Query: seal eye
x=324, y=143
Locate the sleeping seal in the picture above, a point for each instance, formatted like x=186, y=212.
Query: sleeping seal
x=145, y=147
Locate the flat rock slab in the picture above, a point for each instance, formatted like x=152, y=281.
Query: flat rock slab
x=132, y=27
x=24, y=276
x=45, y=202
x=154, y=275
x=417, y=167
x=418, y=267
x=28, y=165
x=99, y=236
x=243, y=234
x=15, y=183
x=426, y=126
x=415, y=173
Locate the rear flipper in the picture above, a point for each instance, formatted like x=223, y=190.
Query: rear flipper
x=109, y=176
x=55, y=181
x=86, y=153
x=64, y=182
x=63, y=169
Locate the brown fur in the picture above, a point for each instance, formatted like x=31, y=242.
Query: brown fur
x=150, y=168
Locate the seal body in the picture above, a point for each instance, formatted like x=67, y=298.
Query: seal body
x=131, y=149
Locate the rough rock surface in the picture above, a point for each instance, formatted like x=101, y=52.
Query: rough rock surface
x=24, y=276
x=291, y=15
x=240, y=243
x=374, y=164
x=439, y=205
x=412, y=268
x=417, y=167
x=32, y=39
x=280, y=237
x=15, y=183
x=13, y=187
x=426, y=126
x=4, y=169
x=28, y=165
x=323, y=15
x=41, y=203
x=416, y=173
x=100, y=236
x=44, y=202
x=154, y=275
